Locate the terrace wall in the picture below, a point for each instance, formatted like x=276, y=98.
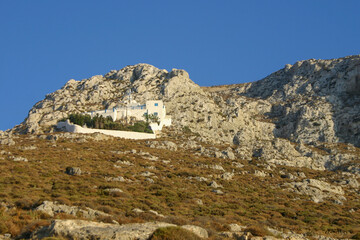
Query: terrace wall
x=69, y=127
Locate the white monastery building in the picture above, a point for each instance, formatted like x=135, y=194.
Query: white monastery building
x=131, y=110
x=135, y=110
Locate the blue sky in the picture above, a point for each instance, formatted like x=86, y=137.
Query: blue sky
x=45, y=43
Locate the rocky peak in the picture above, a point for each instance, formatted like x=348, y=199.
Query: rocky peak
x=136, y=72
x=310, y=78
x=313, y=100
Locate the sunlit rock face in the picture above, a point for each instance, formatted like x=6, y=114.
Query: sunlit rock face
x=310, y=102
x=313, y=100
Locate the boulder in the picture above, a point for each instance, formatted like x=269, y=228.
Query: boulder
x=113, y=190
x=18, y=159
x=236, y=227
x=318, y=190
x=227, y=176
x=163, y=145
x=73, y=171
x=7, y=141
x=213, y=184
x=52, y=208
x=82, y=230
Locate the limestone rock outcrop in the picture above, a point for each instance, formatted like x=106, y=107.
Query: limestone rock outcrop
x=6, y=138
x=80, y=229
x=52, y=208
x=313, y=100
x=318, y=190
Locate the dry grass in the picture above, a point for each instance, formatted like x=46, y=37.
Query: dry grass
x=248, y=200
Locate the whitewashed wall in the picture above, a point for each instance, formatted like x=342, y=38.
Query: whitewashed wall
x=158, y=127
x=138, y=113
x=167, y=121
x=160, y=108
x=105, y=113
x=69, y=127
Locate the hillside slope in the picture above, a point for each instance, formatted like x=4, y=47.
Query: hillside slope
x=279, y=157
x=175, y=180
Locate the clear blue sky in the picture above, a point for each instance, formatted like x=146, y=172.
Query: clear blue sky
x=44, y=43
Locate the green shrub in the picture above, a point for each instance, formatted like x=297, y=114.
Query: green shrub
x=187, y=130
x=99, y=122
x=140, y=126
x=24, y=203
x=31, y=227
x=173, y=233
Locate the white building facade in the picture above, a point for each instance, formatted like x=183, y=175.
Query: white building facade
x=135, y=110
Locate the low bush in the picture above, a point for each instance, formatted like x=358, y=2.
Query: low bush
x=176, y=220
x=3, y=228
x=24, y=203
x=140, y=127
x=259, y=231
x=26, y=233
x=356, y=236
x=173, y=233
x=63, y=200
x=105, y=209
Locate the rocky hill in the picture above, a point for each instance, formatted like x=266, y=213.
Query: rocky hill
x=278, y=158
x=78, y=186
x=313, y=102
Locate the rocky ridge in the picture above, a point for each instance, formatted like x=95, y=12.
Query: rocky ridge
x=309, y=103
x=312, y=100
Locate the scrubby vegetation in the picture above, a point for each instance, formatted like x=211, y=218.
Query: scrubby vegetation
x=100, y=122
x=257, y=231
x=247, y=200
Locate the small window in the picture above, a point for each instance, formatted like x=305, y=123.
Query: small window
x=155, y=113
x=156, y=104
